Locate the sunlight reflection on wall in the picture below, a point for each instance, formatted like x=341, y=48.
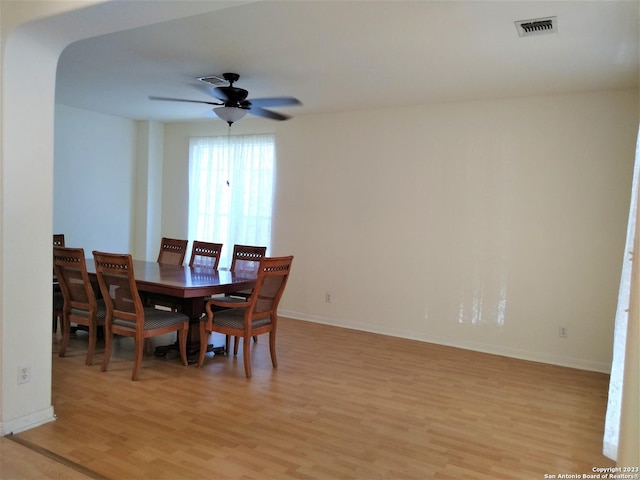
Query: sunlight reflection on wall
x=479, y=249
x=478, y=306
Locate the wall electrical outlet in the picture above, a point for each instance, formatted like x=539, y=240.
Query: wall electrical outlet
x=327, y=297
x=24, y=373
x=563, y=332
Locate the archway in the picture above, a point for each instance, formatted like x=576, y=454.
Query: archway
x=33, y=39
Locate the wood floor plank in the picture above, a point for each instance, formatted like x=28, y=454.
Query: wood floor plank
x=20, y=460
x=342, y=404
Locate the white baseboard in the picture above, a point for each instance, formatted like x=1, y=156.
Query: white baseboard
x=505, y=351
x=28, y=421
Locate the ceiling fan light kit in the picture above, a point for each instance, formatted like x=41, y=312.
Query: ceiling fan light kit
x=235, y=104
x=230, y=114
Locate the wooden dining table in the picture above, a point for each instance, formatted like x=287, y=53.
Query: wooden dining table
x=188, y=287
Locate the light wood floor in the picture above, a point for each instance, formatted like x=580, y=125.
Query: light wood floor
x=18, y=462
x=341, y=405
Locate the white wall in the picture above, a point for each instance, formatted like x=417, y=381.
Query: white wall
x=147, y=229
x=484, y=225
x=26, y=191
x=94, y=175
x=32, y=37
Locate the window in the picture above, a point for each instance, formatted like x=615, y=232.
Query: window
x=231, y=190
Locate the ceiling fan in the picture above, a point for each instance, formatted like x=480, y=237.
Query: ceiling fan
x=234, y=103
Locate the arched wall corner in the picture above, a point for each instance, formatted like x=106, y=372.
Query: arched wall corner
x=32, y=40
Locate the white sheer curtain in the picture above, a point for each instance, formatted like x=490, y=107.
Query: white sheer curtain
x=231, y=190
x=614, y=403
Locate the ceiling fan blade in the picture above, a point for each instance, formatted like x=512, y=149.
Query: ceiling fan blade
x=169, y=99
x=220, y=94
x=275, y=101
x=261, y=112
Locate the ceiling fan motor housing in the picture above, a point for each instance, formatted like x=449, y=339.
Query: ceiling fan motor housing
x=232, y=96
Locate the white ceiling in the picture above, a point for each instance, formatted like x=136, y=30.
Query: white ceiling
x=352, y=55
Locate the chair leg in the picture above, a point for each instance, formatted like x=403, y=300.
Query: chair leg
x=203, y=343
x=183, y=333
x=236, y=341
x=92, y=344
x=138, y=359
x=272, y=348
x=108, y=341
x=246, y=353
x=65, y=327
x=255, y=338
x=227, y=343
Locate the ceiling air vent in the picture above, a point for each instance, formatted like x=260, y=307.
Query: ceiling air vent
x=537, y=26
x=216, y=80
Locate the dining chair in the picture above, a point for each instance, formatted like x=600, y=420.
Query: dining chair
x=80, y=304
x=126, y=315
x=246, y=258
x=58, y=300
x=205, y=255
x=172, y=251
x=257, y=316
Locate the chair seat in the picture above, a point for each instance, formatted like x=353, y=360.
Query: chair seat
x=226, y=299
x=242, y=293
x=101, y=313
x=154, y=319
x=234, y=318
